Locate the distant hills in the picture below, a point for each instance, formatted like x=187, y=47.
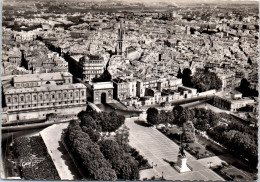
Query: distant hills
x=147, y=2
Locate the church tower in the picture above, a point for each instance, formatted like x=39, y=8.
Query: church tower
x=120, y=38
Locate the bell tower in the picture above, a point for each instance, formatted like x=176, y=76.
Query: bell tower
x=120, y=38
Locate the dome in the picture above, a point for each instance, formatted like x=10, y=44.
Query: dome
x=84, y=59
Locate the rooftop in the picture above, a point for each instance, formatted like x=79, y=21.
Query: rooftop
x=43, y=88
x=40, y=77
x=102, y=85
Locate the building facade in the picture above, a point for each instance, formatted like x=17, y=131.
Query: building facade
x=33, y=96
x=19, y=99
x=91, y=66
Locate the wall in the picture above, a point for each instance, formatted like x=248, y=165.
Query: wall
x=41, y=114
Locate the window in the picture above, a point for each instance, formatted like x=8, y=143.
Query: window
x=77, y=93
x=34, y=97
x=47, y=96
x=53, y=96
x=64, y=95
x=71, y=95
x=22, y=99
x=59, y=95
x=9, y=99
x=40, y=97
x=82, y=93
x=15, y=99
x=28, y=98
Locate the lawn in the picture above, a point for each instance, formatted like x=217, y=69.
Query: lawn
x=197, y=150
x=35, y=162
x=234, y=174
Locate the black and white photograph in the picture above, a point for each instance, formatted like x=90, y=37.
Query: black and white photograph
x=129, y=90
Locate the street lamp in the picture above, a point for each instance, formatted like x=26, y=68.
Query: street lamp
x=162, y=174
x=209, y=164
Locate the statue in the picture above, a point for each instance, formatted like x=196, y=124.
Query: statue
x=181, y=152
x=181, y=164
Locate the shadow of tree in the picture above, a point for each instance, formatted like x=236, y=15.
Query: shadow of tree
x=142, y=123
x=68, y=161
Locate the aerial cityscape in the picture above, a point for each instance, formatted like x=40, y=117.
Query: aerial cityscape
x=129, y=90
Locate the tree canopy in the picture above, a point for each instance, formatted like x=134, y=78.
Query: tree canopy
x=106, y=76
x=187, y=78
x=206, y=80
x=245, y=89
x=102, y=121
x=87, y=154
x=152, y=116
x=121, y=162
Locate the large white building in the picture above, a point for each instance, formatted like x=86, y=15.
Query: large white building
x=36, y=95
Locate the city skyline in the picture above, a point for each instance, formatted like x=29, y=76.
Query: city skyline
x=130, y=90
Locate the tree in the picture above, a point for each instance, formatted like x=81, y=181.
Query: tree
x=245, y=89
x=94, y=135
x=87, y=120
x=188, y=134
x=163, y=117
x=152, y=115
x=86, y=152
x=124, y=167
x=101, y=121
x=111, y=121
x=105, y=174
x=206, y=80
x=110, y=149
x=106, y=76
x=179, y=75
x=177, y=110
x=186, y=78
x=122, y=136
x=185, y=115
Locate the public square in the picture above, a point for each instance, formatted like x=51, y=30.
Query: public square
x=161, y=152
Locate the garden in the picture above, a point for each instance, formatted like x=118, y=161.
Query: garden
x=231, y=173
x=35, y=162
x=197, y=150
x=238, y=138
x=142, y=163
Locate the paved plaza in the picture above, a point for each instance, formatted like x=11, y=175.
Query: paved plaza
x=161, y=152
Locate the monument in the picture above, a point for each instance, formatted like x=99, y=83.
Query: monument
x=181, y=164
